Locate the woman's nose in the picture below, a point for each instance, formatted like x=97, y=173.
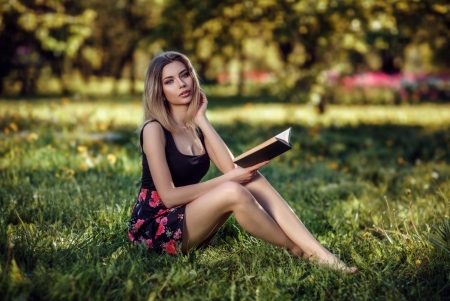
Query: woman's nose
x=181, y=83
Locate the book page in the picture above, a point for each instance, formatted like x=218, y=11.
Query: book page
x=285, y=136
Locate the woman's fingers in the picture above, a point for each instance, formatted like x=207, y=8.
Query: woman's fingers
x=203, y=95
x=254, y=169
x=243, y=175
x=258, y=166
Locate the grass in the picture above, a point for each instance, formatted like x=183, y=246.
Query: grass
x=369, y=183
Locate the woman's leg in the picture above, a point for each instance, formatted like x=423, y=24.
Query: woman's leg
x=206, y=214
x=288, y=221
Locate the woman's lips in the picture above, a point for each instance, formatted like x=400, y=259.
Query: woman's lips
x=185, y=94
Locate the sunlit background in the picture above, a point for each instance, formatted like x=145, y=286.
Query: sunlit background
x=364, y=84
x=342, y=51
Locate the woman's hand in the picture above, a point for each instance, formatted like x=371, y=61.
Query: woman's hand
x=203, y=105
x=243, y=175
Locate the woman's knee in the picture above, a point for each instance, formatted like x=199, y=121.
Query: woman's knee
x=235, y=192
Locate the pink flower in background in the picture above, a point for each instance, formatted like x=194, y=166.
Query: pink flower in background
x=130, y=236
x=149, y=243
x=142, y=195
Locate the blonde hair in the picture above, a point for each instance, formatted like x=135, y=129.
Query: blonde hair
x=155, y=108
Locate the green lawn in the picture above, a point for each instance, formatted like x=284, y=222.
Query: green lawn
x=369, y=182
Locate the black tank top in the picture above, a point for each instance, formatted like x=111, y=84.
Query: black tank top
x=185, y=169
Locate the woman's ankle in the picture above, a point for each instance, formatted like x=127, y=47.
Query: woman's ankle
x=296, y=251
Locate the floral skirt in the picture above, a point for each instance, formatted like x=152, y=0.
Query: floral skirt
x=152, y=223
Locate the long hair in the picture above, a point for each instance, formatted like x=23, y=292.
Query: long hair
x=155, y=108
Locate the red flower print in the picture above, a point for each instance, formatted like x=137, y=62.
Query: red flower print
x=162, y=220
x=155, y=196
x=130, y=236
x=154, y=200
x=177, y=234
x=142, y=195
x=153, y=203
x=149, y=243
x=161, y=230
x=171, y=247
x=138, y=224
x=160, y=212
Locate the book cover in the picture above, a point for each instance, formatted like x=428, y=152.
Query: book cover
x=266, y=151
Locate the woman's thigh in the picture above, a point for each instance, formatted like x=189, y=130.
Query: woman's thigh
x=205, y=215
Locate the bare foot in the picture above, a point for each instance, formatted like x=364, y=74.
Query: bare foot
x=333, y=262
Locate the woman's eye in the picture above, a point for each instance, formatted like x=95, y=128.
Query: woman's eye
x=185, y=74
x=169, y=81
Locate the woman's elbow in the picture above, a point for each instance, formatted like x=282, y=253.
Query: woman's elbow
x=227, y=167
x=167, y=201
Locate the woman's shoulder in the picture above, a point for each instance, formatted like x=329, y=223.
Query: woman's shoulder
x=153, y=130
x=152, y=127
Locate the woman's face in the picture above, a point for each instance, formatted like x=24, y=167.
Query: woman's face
x=177, y=83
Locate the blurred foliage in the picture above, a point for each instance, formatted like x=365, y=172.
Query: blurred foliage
x=297, y=42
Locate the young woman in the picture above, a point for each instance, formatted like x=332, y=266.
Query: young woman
x=173, y=208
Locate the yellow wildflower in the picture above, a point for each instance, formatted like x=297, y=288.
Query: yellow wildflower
x=13, y=126
x=6, y=130
x=15, y=273
x=32, y=137
x=70, y=172
x=82, y=148
x=366, y=234
x=65, y=100
x=83, y=166
x=333, y=166
x=418, y=262
x=102, y=126
x=111, y=159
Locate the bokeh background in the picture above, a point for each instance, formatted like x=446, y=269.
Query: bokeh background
x=297, y=51
x=364, y=84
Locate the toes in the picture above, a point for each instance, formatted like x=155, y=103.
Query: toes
x=352, y=270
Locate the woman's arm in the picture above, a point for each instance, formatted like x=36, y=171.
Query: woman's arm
x=154, y=148
x=217, y=149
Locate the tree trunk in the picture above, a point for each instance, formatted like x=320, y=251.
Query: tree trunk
x=132, y=77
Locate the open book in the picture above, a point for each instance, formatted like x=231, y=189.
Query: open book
x=265, y=151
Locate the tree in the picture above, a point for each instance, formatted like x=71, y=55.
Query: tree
x=35, y=34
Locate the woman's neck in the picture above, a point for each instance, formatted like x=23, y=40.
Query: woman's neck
x=178, y=113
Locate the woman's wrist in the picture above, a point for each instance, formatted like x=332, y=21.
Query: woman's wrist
x=201, y=121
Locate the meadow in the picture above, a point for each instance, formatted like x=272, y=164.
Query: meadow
x=372, y=183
